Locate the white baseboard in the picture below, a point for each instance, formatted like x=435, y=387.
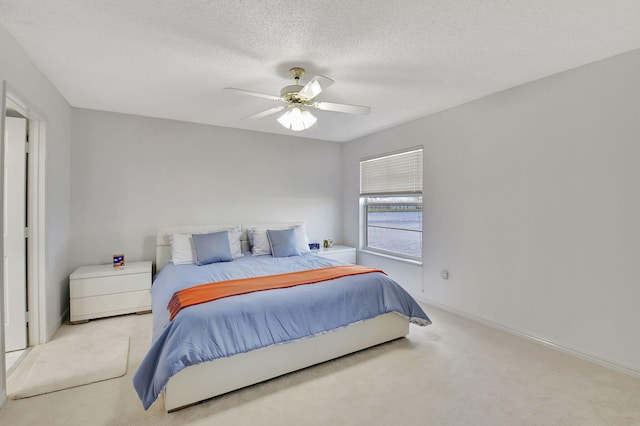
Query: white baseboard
x=614, y=365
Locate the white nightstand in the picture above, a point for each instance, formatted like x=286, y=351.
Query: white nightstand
x=342, y=253
x=102, y=290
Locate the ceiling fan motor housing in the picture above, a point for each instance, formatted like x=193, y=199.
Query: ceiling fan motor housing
x=290, y=94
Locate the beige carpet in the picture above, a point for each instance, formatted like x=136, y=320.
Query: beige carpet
x=69, y=360
x=455, y=372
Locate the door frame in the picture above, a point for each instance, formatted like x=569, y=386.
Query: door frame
x=35, y=218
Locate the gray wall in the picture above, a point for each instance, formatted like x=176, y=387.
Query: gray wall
x=532, y=203
x=131, y=175
x=26, y=82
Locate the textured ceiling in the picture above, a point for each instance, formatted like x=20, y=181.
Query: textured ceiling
x=404, y=59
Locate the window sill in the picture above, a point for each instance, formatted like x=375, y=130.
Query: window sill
x=388, y=256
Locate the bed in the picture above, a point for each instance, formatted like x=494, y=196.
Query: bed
x=226, y=341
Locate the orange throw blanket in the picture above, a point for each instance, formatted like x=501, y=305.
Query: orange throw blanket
x=217, y=290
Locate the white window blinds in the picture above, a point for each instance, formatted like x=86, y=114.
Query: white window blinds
x=397, y=173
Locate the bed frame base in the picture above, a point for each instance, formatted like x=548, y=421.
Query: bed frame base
x=227, y=374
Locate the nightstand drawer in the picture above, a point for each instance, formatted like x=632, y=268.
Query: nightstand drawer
x=342, y=257
x=340, y=253
x=110, y=304
x=118, y=283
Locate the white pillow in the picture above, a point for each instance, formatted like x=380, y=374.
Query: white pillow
x=303, y=240
x=234, y=242
x=183, y=251
x=260, y=244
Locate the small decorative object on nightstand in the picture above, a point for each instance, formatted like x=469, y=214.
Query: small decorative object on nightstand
x=118, y=260
x=342, y=253
x=102, y=290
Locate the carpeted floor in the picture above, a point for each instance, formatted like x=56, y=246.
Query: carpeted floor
x=455, y=372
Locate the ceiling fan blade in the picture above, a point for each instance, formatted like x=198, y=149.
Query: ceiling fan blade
x=349, y=109
x=265, y=113
x=315, y=86
x=256, y=94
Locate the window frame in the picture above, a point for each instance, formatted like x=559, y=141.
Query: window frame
x=364, y=204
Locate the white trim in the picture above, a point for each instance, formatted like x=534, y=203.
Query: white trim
x=364, y=229
x=35, y=219
x=596, y=359
x=389, y=255
x=3, y=374
x=396, y=152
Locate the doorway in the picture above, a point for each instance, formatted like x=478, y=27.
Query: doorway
x=15, y=230
x=34, y=324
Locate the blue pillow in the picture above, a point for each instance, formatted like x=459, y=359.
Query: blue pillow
x=212, y=248
x=283, y=242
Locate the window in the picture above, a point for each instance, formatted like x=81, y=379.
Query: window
x=391, y=202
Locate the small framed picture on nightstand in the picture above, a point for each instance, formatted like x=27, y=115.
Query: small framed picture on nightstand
x=118, y=260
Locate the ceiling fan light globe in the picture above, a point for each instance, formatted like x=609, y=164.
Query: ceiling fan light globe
x=295, y=113
x=285, y=119
x=308, y=119
x=297, y=126
x=297, y=119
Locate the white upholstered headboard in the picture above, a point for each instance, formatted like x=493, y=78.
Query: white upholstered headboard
x=163, y=243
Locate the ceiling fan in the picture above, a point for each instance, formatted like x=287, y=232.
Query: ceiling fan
x=297, y=98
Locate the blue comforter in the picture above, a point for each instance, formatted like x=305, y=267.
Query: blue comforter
x=238, y=324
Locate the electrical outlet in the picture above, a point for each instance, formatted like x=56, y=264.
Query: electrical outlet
x=444, y=274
